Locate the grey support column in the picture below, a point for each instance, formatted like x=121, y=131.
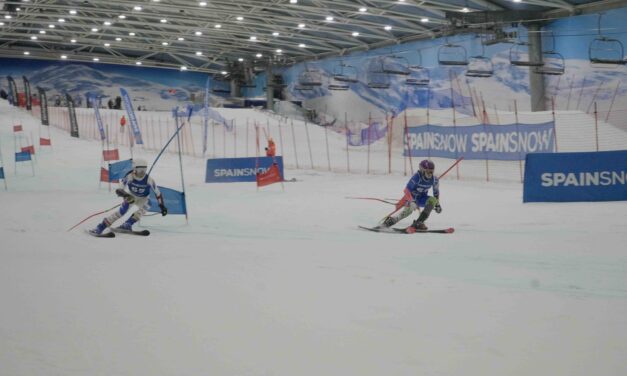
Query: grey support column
x=269, y=86
x=235, y=92
x=536, y=80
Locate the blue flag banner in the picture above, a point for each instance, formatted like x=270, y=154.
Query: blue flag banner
x=22, y=156
x=510, y=142
x=233, y=170
x=569, y=177
x=374, y=132
x=206, y=117
x=94, y=102
x=1, y=172
x=173, y=200
x=118, y=170
x=128, y=104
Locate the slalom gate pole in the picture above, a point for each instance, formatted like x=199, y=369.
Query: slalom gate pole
x=93, y=215
x=178, y=129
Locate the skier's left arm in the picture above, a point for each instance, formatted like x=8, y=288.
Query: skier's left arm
x=155, y=189
x=436, y=194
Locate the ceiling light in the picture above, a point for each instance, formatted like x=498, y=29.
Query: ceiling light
x=302, y=45
x=203, y=3
x=107, y=44
x=423, y=20
x=121, y=16
x=279, y=51
x=199, y=33
x=183, y=68
x=42, y=31
x=355, y=34
x=240, y=59
x=72, y=40
x=293, y=1
x=156, y=1
x=107, y=23
x=465, y=10
x=258, y=55
x=61, y=20
x=388, y=27
x=7, y=16
x=1, y=23
x=198, y=53
x=72, y=11
x=275, y=34
x=239, y=18
x=26, y=53
x=96, y=59
x=329, y=18
x=301, y=26
x=18, y=9
x=131, y=34
x=33, y=37
x=118, y=39
x=217, y=26
x=363, y=10
x=253, y=38
x=94, y=30
x=163, y=20
x=63, y=57
x=164, y=43
x=138, y=63
x=180, y=39
x=51, y=26
x=224, y=73
x=137, y=8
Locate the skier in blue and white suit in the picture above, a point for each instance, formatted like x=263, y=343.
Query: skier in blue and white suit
x=139, y=186
x=417, y=196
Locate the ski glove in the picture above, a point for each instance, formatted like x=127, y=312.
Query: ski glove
x=127, y=196
x=164, y=210
x=438, y=209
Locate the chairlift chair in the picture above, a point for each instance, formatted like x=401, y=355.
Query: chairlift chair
x=310, y=77
x=519, y=55
x=418, y=76
x=220, y=85
x=345, y=73
x=452, y=55
x=480, y=66
x=605, y=50
x=377, y=77
x=395, y=65
x=553, y=64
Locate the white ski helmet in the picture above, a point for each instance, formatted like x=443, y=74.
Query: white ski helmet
x=139, y=167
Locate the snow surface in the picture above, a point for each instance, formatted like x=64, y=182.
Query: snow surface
x=281, y=282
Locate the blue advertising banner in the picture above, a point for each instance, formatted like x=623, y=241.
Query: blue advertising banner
x=1, y=172
x=233, y=170
x=174, y=200
x=568, y=177
x=128, y=105
x=22, y=156
x=494, y=142
x=94, y=102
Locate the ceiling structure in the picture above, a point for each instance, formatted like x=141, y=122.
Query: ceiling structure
x=208, y=36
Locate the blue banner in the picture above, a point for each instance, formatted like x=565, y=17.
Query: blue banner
x=94, y=102
x=128, y=104
x=493, y=142
x=568, y=177
x=1, y=172
x=206, y=117
x=232, y=170
x=173, y=200
x=374, y=132
x=22, y=156
x=118, y=170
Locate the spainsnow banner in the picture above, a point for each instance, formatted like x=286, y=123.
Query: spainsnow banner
x=568, y=177
x=29, y=100
x=233, y=170
x=72, y=114
x=511, y=142
x=128, y=105
x=43, y=103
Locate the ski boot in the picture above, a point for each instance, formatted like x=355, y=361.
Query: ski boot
x=128, y=225
x=99, y=229
x=388, y=222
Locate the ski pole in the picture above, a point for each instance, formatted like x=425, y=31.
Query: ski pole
x=93, y=215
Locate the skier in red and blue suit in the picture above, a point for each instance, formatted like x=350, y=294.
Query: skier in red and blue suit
x=417, y=196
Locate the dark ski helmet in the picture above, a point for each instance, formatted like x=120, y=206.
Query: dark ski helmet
x=427, y=165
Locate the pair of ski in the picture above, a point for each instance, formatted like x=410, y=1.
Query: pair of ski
x=114, y=230
x=408, y=230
